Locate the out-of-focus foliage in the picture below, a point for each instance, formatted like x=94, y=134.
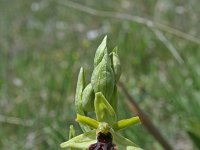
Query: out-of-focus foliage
x=194, y=132
x=43, y=44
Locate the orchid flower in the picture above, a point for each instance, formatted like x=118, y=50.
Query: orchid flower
x=105, y=123
x=100, y=96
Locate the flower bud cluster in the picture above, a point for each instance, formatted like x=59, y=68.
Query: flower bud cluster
x=106, y=73
x=100, y=97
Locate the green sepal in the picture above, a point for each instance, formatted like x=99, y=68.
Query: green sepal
x=87, y=121
x=82, y=141
x=101, y=51
x=125, y=123
x=104, y=111
x=88, y=98
x=122, y=142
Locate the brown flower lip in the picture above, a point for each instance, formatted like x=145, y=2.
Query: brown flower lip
x=104, y=142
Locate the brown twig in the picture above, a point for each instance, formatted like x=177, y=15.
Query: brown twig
x=133, y=106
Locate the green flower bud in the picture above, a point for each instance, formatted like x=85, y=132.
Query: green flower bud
x=103, y=79
x=100, y=95
x=116, y=66
x=101, y=51
x=88, y=98
x=79, y=89
x=78, y=97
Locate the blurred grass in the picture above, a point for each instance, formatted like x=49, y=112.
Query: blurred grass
x=43, y=45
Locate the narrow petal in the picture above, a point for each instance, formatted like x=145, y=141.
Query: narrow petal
x=125, y=123
x=87, y=121
x=123, y=143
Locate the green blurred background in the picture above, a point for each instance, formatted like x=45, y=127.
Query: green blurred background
x=43, y=43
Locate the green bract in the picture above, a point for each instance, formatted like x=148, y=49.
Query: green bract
x=100, y=96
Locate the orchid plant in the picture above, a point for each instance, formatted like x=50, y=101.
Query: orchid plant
x=100, y=97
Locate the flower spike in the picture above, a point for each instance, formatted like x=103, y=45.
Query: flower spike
x=99, y=97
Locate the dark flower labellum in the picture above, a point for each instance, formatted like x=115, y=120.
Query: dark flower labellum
x=104, y=142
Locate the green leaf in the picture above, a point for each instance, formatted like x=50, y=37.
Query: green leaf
x=125, y=123
x=104, y=111
x=82, y=141
x=101, y=50
x=193, y=130
x=195, y=138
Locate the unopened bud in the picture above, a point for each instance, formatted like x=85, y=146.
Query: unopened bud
x=103, y=79
x=116, y=64
x=88, y=98
x=101, y=51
